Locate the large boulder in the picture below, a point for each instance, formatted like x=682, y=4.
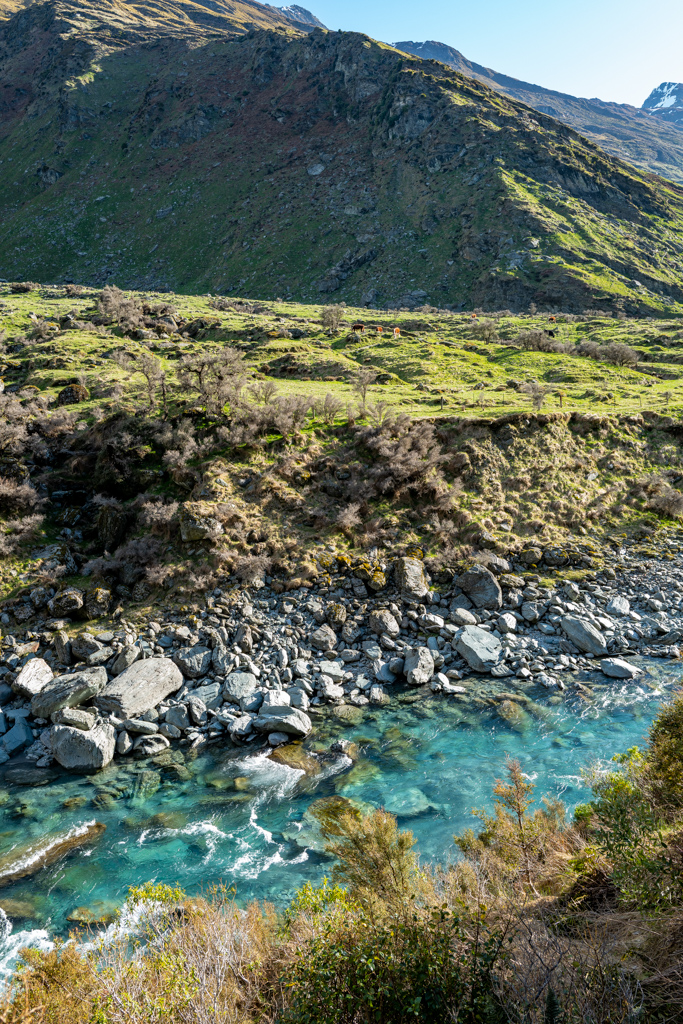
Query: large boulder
x=140, y=687
x=68, y=691
x=193, y=662
x=16, y=738
x=239, y=685
x=83, y=750
x=480, y=649
x=418, y=666
x=584, y=635
x=35, y=674
x=283, y=718
x=618, y=606
x=482, y=587
x=409, y=576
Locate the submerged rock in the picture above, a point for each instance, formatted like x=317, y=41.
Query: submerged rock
x=27, y=860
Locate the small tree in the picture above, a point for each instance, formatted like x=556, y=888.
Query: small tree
x=331, y=318
x=485, y=330
x=329, y=408
x=364, y=378
x=537, y=394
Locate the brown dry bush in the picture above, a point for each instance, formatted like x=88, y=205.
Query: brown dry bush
x=20, y=287
x=407, y=458
x=17, y=497
x=18, y=532
x=115, y=304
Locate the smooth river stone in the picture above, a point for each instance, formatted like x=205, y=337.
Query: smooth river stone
x=140, y=687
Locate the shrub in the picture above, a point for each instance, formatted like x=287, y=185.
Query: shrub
x=331, y=317
x=17, y=497
x=115, y=304
x=485, y=330
x=329, y=408
x=19, y=287
x=72, y=291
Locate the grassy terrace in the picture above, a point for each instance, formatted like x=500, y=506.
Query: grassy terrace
x=441, y=364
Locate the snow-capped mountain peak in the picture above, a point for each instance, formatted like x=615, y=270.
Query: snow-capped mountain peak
x=666, y=101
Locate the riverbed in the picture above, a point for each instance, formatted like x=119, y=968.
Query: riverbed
x=234, y=816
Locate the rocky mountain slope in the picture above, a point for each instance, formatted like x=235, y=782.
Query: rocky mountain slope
x=624, y=131
x=156, y=149
x=666, y=103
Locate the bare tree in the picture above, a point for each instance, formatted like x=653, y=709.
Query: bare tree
x=218, y=378
x=364, y=378
x=331, y=317
x=536, y=393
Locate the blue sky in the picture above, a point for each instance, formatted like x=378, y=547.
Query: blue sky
x=614, y=49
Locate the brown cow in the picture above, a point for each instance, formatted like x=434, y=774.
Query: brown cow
x=380, y=330
x=552, y=319
x=397, y=332
x=358, y=327
x=474, y=316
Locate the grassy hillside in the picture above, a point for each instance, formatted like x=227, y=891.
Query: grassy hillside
x=302, y=440
x=308, y=166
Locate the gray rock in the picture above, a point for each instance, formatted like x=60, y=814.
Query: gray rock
x=124, y=743
x=193, y=662
x=531, y=611
x=418, y=666
x=334, y=669
x=34, y=676
x=618, y=606
x=210, y=695
x=140, y=687
x=171, y=732
x=461, y=617
x=178, y=716
x=138, y=727
x=222, y=659
x=378, y=695
x=329, y=690
x=480, y=649
x=68, y=691
x=241, y=726
x=66, y=602
x=323, y=638
x=147, y=746
x=83, y=645
x=583, y=635
x=283, y=719
x=299, y=699
x=301, y=667
x=460, y=601
x=430, y=622
x=75, y=717
x=198, y=712
x=239, y=685
x=507, y=623
x=276, y=739
x=62, y=646
x=275, y=699
x=100, y=657
x=127, y=657
x=617, y=668
x=16, y=738
x=482, y=587
x=371, y=649
x=85, y=751
x=382, y=621
x=409, y=576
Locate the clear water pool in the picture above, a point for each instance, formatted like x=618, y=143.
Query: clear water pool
x=223, y=815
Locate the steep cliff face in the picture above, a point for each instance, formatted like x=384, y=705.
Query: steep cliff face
x=625, y=132
x=275, y=162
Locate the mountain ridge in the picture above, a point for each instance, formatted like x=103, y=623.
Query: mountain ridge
x=276, y=161
x=653, y=144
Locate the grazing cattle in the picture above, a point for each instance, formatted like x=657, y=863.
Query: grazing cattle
x=474, y=316
x=552, y=319
x=397, y=332
x=358, y=327
x=380, y=330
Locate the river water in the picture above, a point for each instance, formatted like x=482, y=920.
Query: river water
x=236, y=817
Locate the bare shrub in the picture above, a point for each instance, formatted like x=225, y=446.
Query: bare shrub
x=72, y=291
x=251, y=568
x=264, y=391
x=218, y=379
x=17, y=497
x=407, y=458
x=20, y=287
x=329, y=408
x=331, y=318
x=161, y=520
x=536, y=393
x=17, y=532
x=668, y=502
x=349, y=518
x=362, y=381
x=620, y=354
x=115, y=304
